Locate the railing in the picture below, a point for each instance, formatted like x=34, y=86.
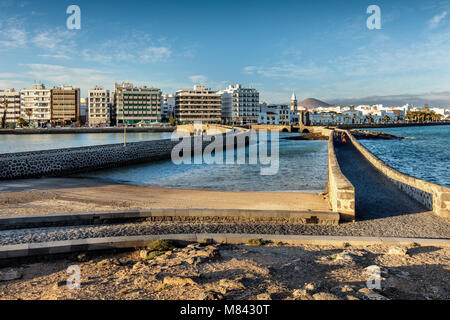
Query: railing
x=433, y=196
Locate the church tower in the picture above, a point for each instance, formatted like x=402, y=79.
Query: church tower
x=294, y=103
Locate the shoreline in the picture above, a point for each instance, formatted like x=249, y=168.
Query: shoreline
x=63, y=195
x=84, y=130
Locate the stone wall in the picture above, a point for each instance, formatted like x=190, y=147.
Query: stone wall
x=432, y=196
x=27, y=131
x=341, y=192
x=271, y=127
x=73, y=160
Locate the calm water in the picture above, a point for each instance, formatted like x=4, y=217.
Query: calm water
x=34, y=142
x=303, y=167
x=424, y=154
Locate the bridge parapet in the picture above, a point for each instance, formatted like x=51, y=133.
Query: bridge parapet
x=341, y=192
x=433, y=196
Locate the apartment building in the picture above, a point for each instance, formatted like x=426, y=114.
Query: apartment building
x=65, y=105
x=245, y=105
x=199, y=104
x=35, y=105
x=9, y=106
x=99, y=106
x=167, y=107
x=137, y=105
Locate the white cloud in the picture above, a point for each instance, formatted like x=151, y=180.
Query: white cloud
x=12, y=34
x=287, y=70
x=436, y=20
x=136, y=48
x=198, y=79
x=55, y=56
x=154, y=54
x=83, y=78
x=55, y=40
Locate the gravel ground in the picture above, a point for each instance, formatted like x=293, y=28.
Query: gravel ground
x=422, y=225
x=239, y=273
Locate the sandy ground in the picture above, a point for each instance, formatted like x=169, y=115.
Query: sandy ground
x=60, y=195
x=272, y=271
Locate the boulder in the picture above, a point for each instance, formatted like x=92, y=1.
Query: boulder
x=10, y=274
x=178, y=281
x=210, y=295
x=397, y=251
x=325, y=296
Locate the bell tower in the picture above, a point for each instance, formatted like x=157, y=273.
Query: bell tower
x=294, y=103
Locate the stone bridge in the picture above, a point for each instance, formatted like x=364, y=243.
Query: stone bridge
x=379, y=190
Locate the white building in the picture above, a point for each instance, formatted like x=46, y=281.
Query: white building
x=35, y=104
x=244, y=105
x=227, y=106
x=9, y=102
x=363, y=114
x=99, y=106
x=277, y=115
x=167, y=106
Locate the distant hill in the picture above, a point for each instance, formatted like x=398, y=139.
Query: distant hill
x=312, y=103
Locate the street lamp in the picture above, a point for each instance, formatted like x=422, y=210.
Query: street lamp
x=124, y=128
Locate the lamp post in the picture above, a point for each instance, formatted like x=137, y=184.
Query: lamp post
x=124, y=128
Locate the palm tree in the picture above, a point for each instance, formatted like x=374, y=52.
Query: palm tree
x=5, y=104
x=29, y=113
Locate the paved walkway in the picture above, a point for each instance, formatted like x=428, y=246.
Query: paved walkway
x=376, y=195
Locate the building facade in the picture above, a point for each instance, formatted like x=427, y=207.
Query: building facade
x=199, y=104
x=99, y=107
x=36, y=105
x=137, y=105
x=277, y=115
x=9, y=107
x=245, y=105
x=65, y=105
x=167, y=107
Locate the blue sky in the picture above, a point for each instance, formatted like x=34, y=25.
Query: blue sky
x=320, y=49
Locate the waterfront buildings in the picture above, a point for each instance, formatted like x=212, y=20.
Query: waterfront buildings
x=36, y=104
x=84, y=112
x=65, y=105
x=199, y=104
x=244, y=105
x=227, y=107
x=137, y=105
x=99, y=106
x=9, y=107
x=275, y=114
x=279, y=114
x=167, y=107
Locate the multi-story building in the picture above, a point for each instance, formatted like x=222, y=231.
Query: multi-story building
x=277, y=115
x=84, y=111
x=65, y=105
x=227, y=107
x=245, y=105
x=200, y=104
x=99, y=106
x=167, y=107
x=137, y=105
x=36, y=105
x=9, y=107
